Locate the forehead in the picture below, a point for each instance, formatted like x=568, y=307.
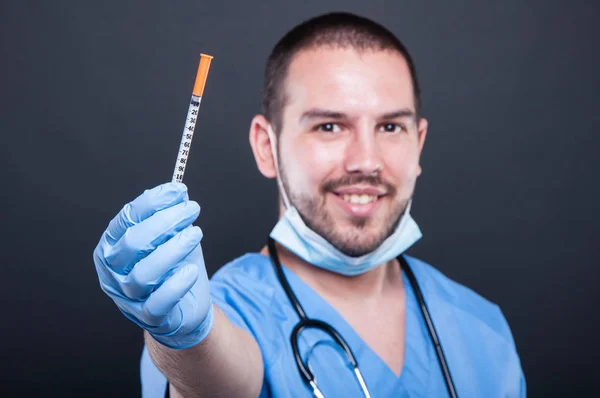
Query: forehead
x=347, y=80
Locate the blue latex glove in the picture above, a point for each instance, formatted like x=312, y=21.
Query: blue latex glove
x=149, y=261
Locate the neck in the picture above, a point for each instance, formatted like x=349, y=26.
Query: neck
x=373, y=284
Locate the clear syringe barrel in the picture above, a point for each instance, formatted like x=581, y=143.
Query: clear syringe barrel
x=186, y=139
x=192, y=116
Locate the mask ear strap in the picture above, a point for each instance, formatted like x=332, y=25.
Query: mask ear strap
x=408, y=206
x=284, y=196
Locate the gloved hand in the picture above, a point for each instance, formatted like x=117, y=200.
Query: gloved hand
x=149, y=261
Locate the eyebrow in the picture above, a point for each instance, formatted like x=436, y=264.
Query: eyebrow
x=405, y=112
x=319, y=113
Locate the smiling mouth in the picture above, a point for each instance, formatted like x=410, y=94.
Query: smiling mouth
x=358, y=204
x=359, y=199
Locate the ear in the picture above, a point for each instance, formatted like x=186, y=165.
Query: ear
x=422, y=127
x=261, y=146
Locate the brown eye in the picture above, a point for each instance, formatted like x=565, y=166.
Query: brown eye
x=328, y=127
x=391, y=128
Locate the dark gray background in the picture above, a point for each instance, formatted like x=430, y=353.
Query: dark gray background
x=93, y=101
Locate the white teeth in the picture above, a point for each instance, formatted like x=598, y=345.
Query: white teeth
x=360, y=199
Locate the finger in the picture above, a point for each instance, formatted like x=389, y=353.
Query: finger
x=141, y=239
x=165, y=298
x=148, y=203
x=153, y=269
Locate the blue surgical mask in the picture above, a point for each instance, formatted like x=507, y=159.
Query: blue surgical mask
x=291, y=232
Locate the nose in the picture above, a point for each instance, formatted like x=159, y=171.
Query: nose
x=363, y=154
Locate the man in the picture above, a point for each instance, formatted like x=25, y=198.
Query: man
x=341, y=132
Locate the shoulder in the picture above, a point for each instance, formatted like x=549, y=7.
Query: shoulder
x=435, y=284
x=251, y=267
x=243, y=289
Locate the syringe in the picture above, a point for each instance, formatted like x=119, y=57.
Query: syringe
x=190, y=122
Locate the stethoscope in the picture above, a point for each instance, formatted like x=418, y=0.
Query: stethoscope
x=307, y=323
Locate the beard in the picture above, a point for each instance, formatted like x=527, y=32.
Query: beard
x=353, y=240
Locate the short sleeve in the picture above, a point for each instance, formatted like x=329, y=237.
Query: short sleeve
x=245, y=299
x=231, y=302
x=506, y=332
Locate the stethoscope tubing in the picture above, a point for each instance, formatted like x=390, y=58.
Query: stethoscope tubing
x=306, y=323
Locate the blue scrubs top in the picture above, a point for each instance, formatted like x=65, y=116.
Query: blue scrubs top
x=473, y=332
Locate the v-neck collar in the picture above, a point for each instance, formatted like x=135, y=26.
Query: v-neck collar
x=418, y=351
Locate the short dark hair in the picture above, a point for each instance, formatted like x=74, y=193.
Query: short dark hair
x=337, y=30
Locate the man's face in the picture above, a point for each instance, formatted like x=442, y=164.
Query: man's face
x=350, y=144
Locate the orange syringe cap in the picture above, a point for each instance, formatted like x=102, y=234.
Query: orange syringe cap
x=201, y=75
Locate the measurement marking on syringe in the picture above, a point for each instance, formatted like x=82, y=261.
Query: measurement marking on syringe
x=192, y=116
x=186, y=139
